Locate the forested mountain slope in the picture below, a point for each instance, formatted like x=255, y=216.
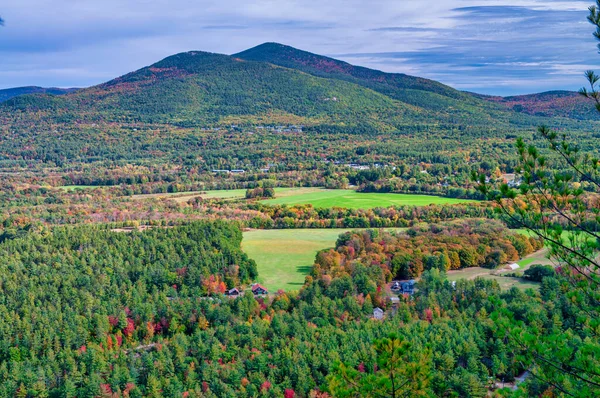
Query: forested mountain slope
x=270, y=84
x=202, y=89
x=315, y=64
x=427, y=94
x=568, y=104
x=14, y=92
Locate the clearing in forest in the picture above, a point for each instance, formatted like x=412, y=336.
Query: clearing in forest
x=357, y=200
x=285, y=256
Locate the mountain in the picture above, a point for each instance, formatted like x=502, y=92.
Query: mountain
x=198, y=88
x=417, y=91
x=569, y=104
x=14, y=92
x=422, y=92
x=290, y=57
x=271, y=84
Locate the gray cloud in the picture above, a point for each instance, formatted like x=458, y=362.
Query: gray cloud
x=403, y=29
x=489, y=46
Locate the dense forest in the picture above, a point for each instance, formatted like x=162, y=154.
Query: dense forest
x=92, y=312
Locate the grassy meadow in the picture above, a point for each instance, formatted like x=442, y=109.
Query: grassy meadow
x=356, y=200
x=318, y=197
x=70, y=188
x=505, y=282
x=285, y=257
x=498, y=275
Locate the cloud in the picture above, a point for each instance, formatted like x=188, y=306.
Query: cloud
x=499, y=49
x=225, y=27
x=402, y=29
x=490, y=46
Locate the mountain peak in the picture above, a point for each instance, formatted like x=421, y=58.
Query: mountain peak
x=322, y=66
x=273, y=48
x=287, y=56
x=191, y=60
x=178, y=65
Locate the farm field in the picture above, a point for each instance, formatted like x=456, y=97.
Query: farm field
x=185, y=196
x=318, y=197
x=505, y=282
x=80, y=187
x=285, y=256
x=356, y=200
x=222, y=194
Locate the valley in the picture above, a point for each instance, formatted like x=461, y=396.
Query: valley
x=218, y=225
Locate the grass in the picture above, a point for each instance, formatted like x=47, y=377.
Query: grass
x=285, y=257
x=220, y=194
x=185, y=196
x=83, y=187
x=527, y=261
x=318, y=197
x=356, y=200
x=505, y=282
x=468, y=273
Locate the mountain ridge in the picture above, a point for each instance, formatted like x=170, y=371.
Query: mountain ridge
x=291, y=57
x=8, y=93
x=277, y=83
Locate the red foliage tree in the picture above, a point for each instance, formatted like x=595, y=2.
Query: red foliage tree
x=265, y=386
x=289, y=393
x=130, y=328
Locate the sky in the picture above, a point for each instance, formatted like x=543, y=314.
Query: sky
x=499, y=47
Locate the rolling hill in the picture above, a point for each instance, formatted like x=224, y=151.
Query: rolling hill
x=274, y=84
x=9, y=93
x=569, y=104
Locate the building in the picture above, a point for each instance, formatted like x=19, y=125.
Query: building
x=259, y=290
x=233, y=292
x=404, y=287
x=394, y=301
x=408, y=287
x=378, y=313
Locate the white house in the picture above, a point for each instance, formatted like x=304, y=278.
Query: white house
x=378, y=313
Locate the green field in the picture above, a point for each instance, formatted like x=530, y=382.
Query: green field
x=318, y=197
x=285, y=256
x=499, y=275
x=219, y=194
x=505, y=282
x=526, y=261
x=356, y=200
x=80, y=187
